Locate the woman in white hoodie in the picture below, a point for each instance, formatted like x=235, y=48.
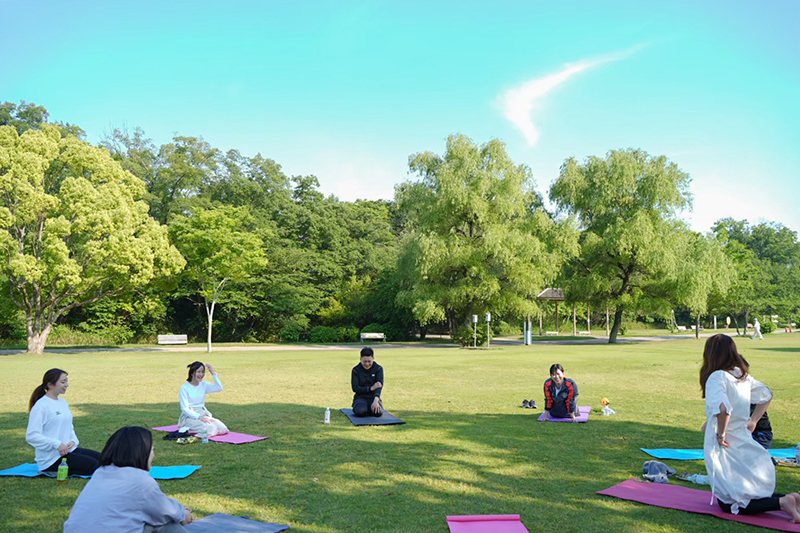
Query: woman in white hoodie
x=50, y=429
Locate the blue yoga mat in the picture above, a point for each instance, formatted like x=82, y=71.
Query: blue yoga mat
x=697, y=455
x=158, y=472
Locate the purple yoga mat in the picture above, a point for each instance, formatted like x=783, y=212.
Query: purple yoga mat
x=583, y=415
x=230, y=437
x=693, y=501
x=498, y=523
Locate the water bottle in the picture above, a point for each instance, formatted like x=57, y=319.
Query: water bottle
x=327, y=415
x=63, y=472
x=204, y=435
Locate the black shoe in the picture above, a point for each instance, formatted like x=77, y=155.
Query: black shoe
x=532, y=405
x=525, y=404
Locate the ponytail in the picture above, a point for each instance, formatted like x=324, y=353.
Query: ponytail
x=51, y=376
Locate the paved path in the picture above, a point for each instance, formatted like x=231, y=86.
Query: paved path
x=338, y=347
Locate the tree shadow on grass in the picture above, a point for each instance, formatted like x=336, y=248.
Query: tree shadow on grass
x=791, y=349
x=341, y=478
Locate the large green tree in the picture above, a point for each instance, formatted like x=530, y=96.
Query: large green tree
x=476, y=236
x=220, y=247
x=631, y=238
x=73, y=228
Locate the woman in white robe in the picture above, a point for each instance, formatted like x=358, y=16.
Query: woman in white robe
x=740, y=471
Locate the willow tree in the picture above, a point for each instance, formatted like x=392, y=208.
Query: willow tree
x=632, y=240
x=73, y=227
x=476, y=236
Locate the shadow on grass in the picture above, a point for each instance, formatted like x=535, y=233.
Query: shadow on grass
x=406, y=478
x=790, y=349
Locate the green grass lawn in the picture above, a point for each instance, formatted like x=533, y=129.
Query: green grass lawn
x=467, y=447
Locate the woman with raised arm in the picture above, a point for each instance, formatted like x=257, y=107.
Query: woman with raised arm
x=50, y=429
x=740, y=471
x=192, y=396
x=122, y=496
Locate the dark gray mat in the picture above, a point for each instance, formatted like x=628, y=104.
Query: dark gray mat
x=385, y=420
x=225, y=523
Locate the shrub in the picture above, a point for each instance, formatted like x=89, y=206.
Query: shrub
x=767, y=325
x=324, y=334
x=465, y=336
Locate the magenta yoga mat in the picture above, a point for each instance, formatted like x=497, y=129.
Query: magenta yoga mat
x=693, y=501
x=498, y=523
x=583, y=415
x=230, y=437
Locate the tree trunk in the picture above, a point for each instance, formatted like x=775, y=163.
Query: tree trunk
x=210, y=313
x=37, y=335
x=736, y=323
x=746, y=320
x=423, y=331
x=37, y=341
x=612, y=337
x=697, y=327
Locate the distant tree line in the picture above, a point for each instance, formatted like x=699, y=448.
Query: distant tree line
x=127, y=239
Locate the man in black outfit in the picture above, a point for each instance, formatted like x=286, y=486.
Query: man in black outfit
x=367, y=382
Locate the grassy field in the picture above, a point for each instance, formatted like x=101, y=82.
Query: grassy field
x=468, y=448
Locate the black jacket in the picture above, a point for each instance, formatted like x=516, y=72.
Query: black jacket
x=561, y=405
x=362, y=380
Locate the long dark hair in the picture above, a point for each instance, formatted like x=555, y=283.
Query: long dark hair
x=193, y=368
x=51, y=376
x=720, y=354
x=128, y=446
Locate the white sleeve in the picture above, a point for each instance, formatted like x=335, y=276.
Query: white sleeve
x=717, y=394
x=759, y=393
x=35, y=434
x=215, y=387
x=160, y=509
x=186, y=409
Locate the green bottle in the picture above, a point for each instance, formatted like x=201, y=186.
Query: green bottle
x=63, y=472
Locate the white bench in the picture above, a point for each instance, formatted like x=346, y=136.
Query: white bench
x=584, y=333
x=551, y=333
x=373, y=336
x=173, y=339
x=681, y=328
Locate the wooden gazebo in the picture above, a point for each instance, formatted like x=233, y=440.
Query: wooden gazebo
x=551, y=295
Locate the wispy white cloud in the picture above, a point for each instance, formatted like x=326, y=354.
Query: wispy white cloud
x=519, y=102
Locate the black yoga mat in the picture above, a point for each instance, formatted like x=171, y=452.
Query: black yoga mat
x=384, y=420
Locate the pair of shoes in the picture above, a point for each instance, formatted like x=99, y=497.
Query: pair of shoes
x=186, y=440
x=529, y=404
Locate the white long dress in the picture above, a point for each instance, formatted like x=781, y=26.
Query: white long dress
x=744, y=471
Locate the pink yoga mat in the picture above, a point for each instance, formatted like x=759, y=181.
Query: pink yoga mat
x=693, y=501
x=497, y=523
x=583, y=415
x=230, y=437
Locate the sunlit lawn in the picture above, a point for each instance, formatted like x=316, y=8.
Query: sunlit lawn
x=468, y=448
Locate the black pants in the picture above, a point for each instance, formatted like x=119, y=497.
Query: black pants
x=761, y=505
x=363, y=407
x=81, y=462
x=764, y=438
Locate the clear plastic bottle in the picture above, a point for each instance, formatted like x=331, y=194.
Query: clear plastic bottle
x=327, y=415
x=204, y=435
x=63, y=472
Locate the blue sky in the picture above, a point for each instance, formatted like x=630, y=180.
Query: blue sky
x=348, y=90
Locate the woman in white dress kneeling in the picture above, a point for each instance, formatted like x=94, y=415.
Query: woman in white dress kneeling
x=740, y=471
x=192, y=395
